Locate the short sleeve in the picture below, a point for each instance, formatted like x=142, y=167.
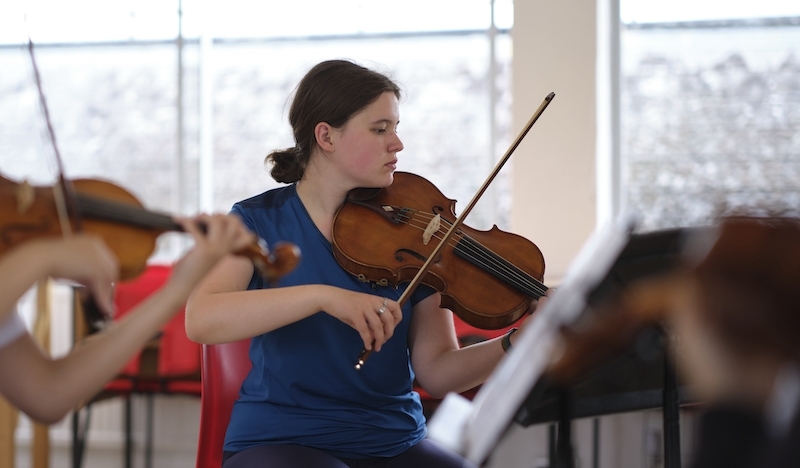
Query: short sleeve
x=422, y=292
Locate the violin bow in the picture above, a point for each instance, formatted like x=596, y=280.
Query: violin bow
x=460, y=219
x=64, y=195
x=63, y=191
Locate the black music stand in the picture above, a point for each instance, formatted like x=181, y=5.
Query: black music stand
x=638, y=378
x=516, y=391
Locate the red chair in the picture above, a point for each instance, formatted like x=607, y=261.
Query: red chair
x=223, y=369
x=169, y=364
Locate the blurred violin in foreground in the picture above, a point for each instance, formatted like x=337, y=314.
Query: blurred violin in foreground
x=103, y=209
x=741, y=277
x=106, y=210
x=113, y=213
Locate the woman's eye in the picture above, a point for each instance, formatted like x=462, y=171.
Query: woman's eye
x=380, y=131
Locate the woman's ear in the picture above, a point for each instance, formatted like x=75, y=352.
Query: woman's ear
x=323, y=133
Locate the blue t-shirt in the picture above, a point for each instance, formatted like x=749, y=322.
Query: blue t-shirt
x=303, y=387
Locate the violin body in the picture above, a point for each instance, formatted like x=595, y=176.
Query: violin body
x=31, y=211
x=488, y=278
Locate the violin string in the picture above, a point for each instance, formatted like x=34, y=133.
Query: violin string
x=485, y=258
x=490, y=261
x=503, y=268
x=480, y=255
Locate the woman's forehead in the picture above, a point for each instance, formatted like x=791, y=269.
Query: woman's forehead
x=385, y=108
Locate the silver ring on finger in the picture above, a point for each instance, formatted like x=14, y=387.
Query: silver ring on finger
x=383, y=307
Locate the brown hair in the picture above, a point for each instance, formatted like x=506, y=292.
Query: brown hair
x=332, y=92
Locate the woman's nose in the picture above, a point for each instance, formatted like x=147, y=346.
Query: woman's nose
x=397, y=144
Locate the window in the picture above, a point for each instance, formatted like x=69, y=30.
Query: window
x=710, y=110
x=174, y=103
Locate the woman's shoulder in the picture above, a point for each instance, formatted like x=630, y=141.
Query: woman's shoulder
x=273, y=198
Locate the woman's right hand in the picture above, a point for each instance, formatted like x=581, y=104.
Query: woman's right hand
x=363, y=313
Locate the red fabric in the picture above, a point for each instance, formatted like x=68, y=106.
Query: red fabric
x=177, y=355
x=186, y=387
x=464, y=330
x=124, y=385
x=224, y=367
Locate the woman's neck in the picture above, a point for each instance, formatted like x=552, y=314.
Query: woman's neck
x=321, y=200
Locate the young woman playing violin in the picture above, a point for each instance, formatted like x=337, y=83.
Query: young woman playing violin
x=303, y=403
x=28, y=377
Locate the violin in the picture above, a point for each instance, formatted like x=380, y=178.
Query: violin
x=113, y=213
x=107, y=210
x=740, y=277
x=489, y=279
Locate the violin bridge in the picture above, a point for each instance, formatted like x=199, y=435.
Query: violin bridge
x=432, y=228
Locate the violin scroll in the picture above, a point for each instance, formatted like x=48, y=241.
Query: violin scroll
x=283, y=258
